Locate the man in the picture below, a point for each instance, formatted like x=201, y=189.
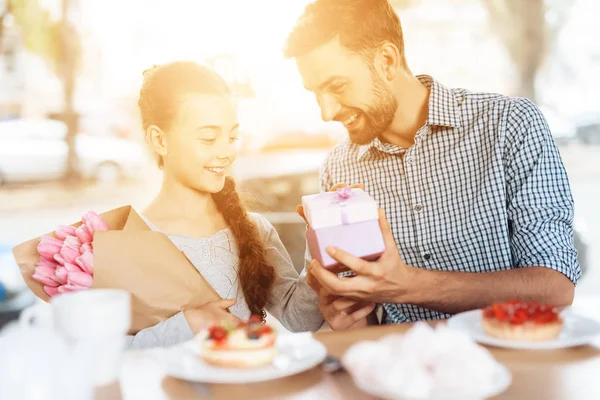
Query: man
x=477, y=198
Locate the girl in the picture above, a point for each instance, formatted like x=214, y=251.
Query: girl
x=190, y=121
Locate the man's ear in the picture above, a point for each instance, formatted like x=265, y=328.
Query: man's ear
x=389, y=60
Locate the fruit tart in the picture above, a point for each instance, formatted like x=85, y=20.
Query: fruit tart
x=250, y=344
x=523, y=321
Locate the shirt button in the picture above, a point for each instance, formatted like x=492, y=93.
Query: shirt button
x=418, y=207
x=426, y=256
x=410, y=160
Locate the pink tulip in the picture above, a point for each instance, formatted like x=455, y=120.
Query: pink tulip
x=48, y=247
x=72, y=268
x=44, y=275
x=84, y=234
x=86, y=216
x=63, y=289
x=86, y=262
x=51, y=291
x=80, y=279
x=42, y=262
x=61, y=275
x=69, y=253
x=94, y=222
x=73, y=241
x=59, y=259
x=69, y=287
x=45, y=281
x=63, y=231
x=45, y=271
x=86, y=247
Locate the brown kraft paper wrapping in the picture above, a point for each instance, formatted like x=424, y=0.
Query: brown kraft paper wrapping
x=131, y=256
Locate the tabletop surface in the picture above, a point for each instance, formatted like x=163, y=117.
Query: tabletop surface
x=549, y=374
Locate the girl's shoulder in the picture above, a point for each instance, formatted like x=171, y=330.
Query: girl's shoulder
x=263, y=224
x=266, y=230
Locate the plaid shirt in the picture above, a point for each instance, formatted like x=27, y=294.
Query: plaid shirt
x=482, y=189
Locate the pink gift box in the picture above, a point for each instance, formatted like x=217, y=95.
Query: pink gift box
x=347, y=219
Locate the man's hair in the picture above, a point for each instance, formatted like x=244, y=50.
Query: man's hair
x=360, y=25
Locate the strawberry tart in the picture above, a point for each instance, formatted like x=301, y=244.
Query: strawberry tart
x=250, y=344
x=523, y=321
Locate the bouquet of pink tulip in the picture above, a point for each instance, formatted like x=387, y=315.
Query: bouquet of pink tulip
x=66, y=261
x=115, y=250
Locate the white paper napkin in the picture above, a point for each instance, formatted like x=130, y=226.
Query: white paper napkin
x=141, y=377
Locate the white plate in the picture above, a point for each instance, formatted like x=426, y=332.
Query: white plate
x=298, y=352
x=501, y=381
x=577, y=331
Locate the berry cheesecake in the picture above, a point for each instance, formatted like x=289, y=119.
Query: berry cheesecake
x=248, y=345
x=523, y=321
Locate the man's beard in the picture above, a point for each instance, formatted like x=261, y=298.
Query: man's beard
x=378, y=117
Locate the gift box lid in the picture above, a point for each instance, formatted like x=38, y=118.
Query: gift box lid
x=342, y=207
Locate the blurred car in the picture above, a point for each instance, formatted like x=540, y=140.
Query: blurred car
x=35, y=150
x=298, y=141
x=14, y=294
x=588, y=129
x=562, y=128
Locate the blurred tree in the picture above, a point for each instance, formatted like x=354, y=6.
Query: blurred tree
x=528, y=30
x=4, y=15
x=58, y=44
x=521, y=27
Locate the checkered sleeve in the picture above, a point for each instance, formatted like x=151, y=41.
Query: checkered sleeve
x=540, y=205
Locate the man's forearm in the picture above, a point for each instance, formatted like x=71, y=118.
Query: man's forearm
x=454, y=292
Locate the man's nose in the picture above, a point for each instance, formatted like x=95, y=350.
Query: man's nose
x=330, y=107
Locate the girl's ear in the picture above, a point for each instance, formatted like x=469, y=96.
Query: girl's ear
x=157, y=139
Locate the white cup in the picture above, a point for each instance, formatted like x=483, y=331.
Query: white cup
x=38, y=364
x=97, y=319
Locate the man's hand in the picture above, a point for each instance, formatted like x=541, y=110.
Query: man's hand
x=390, y=280
x=300, y=209
x=383, y=281
x=312, y=282
x=344, y=313
x=211, y=313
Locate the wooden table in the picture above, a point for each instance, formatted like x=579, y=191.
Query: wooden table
x=558, y=374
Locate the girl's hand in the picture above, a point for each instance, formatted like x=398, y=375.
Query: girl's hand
x=343, y=313
x=215, y=312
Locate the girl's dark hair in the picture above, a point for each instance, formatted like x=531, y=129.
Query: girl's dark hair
x=161, y=96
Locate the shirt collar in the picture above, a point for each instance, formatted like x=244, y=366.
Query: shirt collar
x=443, y=105
x=442, y=111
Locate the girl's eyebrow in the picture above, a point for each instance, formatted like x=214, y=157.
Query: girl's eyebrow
x=211, y=127
x=217, y=127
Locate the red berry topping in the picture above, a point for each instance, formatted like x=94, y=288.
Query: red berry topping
x=255, y=318
x=519, y=317
x=488, y=313
x=217, y=333
x=265, y=330
x=518, y=312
